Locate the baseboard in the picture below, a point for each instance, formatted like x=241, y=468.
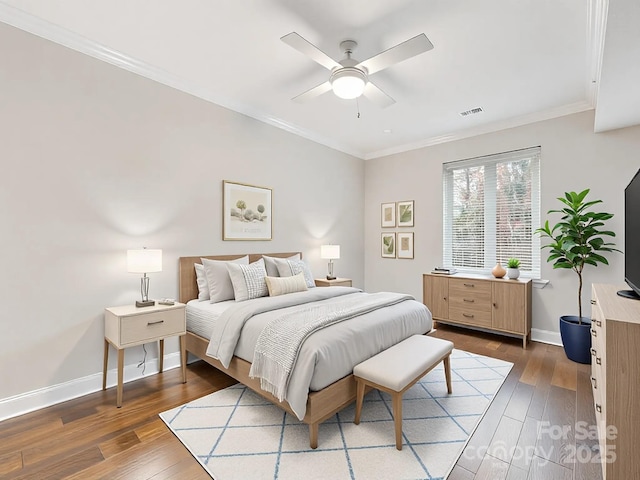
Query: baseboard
x=546, y=336
x=537, y=335
x=45, y=397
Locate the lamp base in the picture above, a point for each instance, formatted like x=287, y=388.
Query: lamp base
x=148, y=303
x=330, y=277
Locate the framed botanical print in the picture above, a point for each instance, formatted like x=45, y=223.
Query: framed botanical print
x=388, y=245
x=405, y=245
x=388, y=215
x=246, y=212
x=405, y=214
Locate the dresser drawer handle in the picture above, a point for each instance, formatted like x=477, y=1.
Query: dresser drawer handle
x=155, y=323
x=593, y=352
x=595, y=383
x=599, y=323
x=594, y=333
x=598, y=408
x=468, y=300
x=599, y=360
x=469, y=285
x=468, y=315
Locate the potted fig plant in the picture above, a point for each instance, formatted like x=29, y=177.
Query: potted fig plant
x=577, y=240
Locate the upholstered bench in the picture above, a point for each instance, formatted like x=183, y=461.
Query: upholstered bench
x=398, y=368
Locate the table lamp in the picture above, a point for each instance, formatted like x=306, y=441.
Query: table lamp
x=330, y=252
x=144, y=261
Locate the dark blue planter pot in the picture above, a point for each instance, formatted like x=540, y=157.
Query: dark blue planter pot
x=576, y=338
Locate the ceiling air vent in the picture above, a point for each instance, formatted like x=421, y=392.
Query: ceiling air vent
x=473, y=111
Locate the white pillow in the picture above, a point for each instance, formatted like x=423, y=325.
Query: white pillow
x=220, y=287
x=248, y=280
x=286, y=268
x=283, y=285
x=201, y=280
x=272, y=267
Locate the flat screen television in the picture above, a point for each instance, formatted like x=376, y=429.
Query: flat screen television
x=632, y=238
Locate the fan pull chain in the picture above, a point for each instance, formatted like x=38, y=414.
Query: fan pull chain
x=358, y=107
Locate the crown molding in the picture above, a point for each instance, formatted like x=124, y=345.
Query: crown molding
x=49, y=31
x=32, y=24
x=487, y=128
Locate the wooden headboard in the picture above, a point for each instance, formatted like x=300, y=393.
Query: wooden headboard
x=188, y=287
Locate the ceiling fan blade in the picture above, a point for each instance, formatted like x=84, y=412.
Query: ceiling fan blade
x=313, y=93
x=303, y=46
x=410, y=48
x=377, y=96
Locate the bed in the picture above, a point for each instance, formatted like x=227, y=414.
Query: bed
x=321, y=403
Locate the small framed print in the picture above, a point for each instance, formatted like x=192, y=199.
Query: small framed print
x=388, y=245
x=405, y=245
x=405, y=214
x=388, y=215
x=246, y=212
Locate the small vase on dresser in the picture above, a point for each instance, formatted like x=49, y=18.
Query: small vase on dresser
x=498, y=271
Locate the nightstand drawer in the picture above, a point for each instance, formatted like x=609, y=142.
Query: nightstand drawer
x=151, y=326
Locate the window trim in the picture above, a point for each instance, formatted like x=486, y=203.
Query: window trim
x=490, y=232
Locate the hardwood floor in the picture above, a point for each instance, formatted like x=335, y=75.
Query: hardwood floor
x=528, y=433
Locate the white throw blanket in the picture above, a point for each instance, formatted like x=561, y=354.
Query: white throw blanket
x=280, y=341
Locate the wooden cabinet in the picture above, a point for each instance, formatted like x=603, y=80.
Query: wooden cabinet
x=496, y=304
x=615, y=379
x=436, y=297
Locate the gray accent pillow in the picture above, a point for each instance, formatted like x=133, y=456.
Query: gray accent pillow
x=248, y=280
x=286, y=268
x=220, y=286
x=272, y=267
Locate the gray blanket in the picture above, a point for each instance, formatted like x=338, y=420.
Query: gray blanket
x=280, y=341
x=226, y=331
x=327, y=355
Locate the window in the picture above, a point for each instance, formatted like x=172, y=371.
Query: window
x=491, y=207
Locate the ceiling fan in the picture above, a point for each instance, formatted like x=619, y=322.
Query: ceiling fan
x=349, y=78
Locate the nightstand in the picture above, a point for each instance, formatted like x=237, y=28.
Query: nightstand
x=128, y=325
x=338, y=282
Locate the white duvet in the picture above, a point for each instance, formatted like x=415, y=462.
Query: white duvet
x=328, y=354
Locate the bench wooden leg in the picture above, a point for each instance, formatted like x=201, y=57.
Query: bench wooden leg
x=447, y=372
x=359, y=400
x=397, y=418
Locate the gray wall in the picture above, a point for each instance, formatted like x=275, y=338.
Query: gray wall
x=573, y=158
x=95, y=161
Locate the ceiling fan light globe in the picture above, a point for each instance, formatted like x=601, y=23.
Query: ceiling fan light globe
x=348, y=83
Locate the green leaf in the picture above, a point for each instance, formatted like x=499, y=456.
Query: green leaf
x=576, y=239
x=580, y=197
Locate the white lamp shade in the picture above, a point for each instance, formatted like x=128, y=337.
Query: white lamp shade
x=348, y=83
x=144, y=260
x=330, y=252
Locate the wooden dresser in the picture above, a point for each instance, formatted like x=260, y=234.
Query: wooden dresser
x=496, y=304
x=615, y=350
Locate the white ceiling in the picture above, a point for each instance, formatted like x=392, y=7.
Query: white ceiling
x=521, y=61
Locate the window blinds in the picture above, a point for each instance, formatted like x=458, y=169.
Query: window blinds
x=491, y=207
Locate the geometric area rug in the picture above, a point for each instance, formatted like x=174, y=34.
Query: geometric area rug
x=237, y=435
